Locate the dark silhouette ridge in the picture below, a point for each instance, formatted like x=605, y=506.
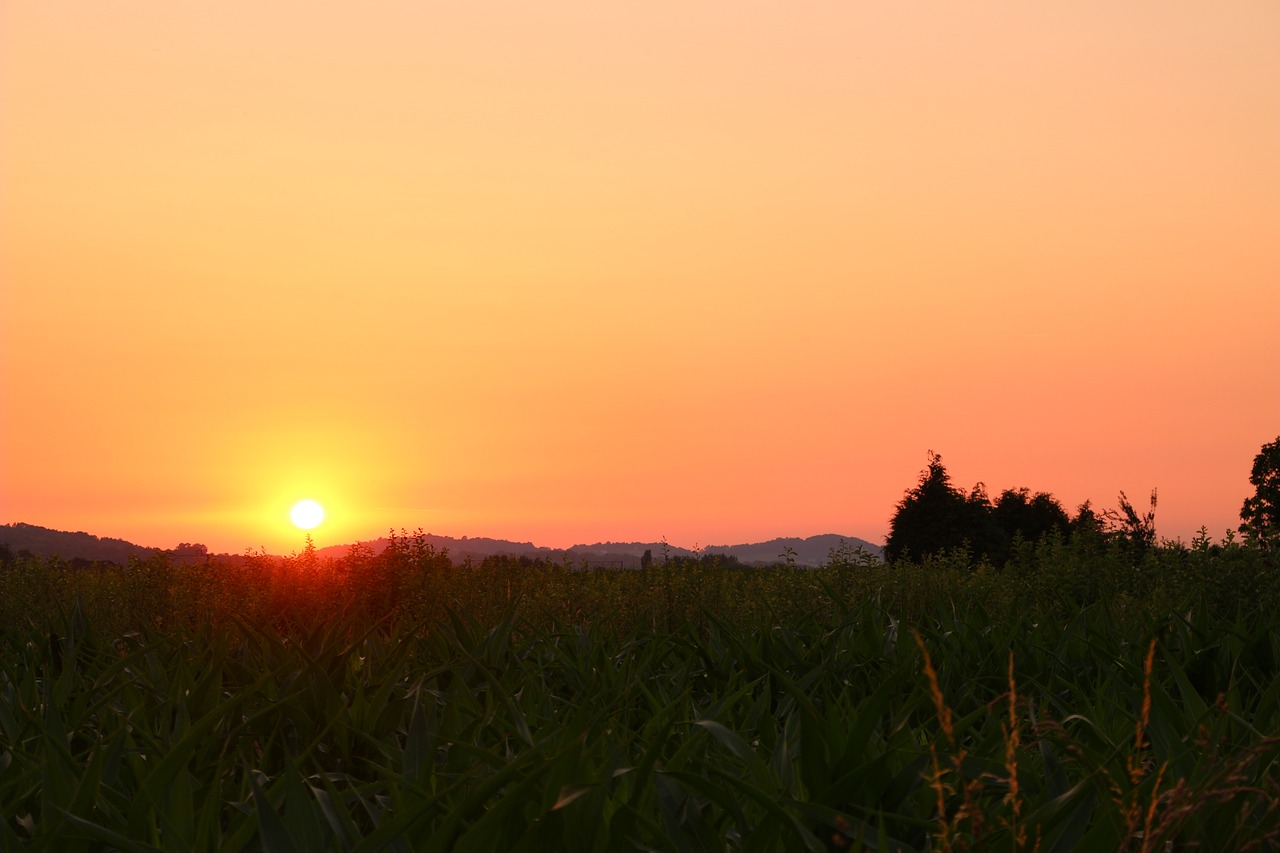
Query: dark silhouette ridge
x=810, y=551
x=44, y=542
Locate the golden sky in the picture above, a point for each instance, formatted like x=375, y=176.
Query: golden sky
x=575, y=271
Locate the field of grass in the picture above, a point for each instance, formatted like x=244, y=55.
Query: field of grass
x=1072, y=700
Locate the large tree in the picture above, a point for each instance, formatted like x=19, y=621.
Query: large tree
x=930, y=518
x=1260, y=515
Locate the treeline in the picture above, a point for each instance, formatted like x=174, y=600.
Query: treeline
x=937, y=518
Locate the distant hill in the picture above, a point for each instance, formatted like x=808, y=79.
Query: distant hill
x=811, y=551
x=43, y=542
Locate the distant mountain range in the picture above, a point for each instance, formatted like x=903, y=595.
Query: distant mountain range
x=811, y=551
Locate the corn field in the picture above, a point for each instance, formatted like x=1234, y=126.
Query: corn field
x=400, y=702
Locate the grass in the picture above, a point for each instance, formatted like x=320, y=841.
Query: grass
x=405, y=703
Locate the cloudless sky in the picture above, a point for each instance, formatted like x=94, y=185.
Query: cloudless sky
x=577, y=271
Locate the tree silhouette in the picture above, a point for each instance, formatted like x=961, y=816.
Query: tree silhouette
x=982, y=530
x=1260, y=515
x=931, y=518
x=1032, y=517
x=936, y=516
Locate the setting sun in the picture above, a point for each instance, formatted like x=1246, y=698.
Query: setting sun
x=307, y=514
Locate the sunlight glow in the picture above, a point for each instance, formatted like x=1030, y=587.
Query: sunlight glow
x=307, y=514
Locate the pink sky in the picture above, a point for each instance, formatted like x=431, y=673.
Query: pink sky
x=572, y=272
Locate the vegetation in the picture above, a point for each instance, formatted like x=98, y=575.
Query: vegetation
x=935, y=517
x=1072, y=699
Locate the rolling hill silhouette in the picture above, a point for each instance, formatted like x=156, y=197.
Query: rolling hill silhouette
x=810, y=551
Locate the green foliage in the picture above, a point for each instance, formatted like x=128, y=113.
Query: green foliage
x=1070, y=700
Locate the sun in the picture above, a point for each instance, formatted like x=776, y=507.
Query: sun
x=307, y=514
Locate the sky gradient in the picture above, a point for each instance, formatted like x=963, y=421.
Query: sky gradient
x=573, y=271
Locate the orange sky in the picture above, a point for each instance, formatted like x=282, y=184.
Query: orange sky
x=573, y=271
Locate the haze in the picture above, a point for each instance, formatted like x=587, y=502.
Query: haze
x=572, y=271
